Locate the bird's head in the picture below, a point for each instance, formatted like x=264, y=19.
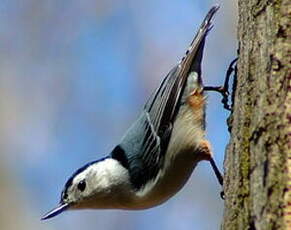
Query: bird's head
x=92, y=186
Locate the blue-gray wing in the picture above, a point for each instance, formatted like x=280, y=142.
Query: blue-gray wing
x=142, y=149
x=139, y=151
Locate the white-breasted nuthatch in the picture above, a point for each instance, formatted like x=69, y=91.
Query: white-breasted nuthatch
x=160, y=150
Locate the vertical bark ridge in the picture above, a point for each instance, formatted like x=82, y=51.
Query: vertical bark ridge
x=258, y=158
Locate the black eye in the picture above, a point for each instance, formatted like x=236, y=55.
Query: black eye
x=65, y=196
x=82, y=185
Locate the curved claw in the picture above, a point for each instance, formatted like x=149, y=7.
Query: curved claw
x=223, y=90
x=222, y=195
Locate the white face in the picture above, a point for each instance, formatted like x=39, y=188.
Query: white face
x=101, y=184
x=78, y=190
x=95, y=185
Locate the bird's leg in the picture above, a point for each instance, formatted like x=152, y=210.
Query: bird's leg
x=223, y=90
x=216, y=171
x=205, y=151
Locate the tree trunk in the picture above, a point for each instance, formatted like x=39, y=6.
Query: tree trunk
x=257, y=181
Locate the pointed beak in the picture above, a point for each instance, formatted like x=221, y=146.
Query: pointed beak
x=56, y=211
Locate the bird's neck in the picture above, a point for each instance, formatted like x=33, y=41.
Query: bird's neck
x=110, y=173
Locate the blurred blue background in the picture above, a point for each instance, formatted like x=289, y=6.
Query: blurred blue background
x=73, y=76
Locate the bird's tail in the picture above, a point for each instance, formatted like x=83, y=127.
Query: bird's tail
x=191, y=62
x=164, y=104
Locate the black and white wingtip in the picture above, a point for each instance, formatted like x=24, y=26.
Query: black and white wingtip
x=211, y=13
x=192, y=60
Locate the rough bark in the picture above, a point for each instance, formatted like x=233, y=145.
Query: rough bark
x=257, y=181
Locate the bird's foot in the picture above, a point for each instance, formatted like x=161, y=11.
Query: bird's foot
x=206, y=154
x=224, y=90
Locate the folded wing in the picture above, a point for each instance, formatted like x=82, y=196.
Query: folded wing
x=143, y=148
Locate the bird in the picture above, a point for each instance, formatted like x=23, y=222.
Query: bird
x=160, y=150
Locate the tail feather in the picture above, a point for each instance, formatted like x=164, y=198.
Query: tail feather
x=164, y=105
x=192, y=61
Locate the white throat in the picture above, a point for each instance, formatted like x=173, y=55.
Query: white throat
x=108, y=186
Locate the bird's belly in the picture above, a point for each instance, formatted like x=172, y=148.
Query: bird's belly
x=181, y=158
x=169, y=183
